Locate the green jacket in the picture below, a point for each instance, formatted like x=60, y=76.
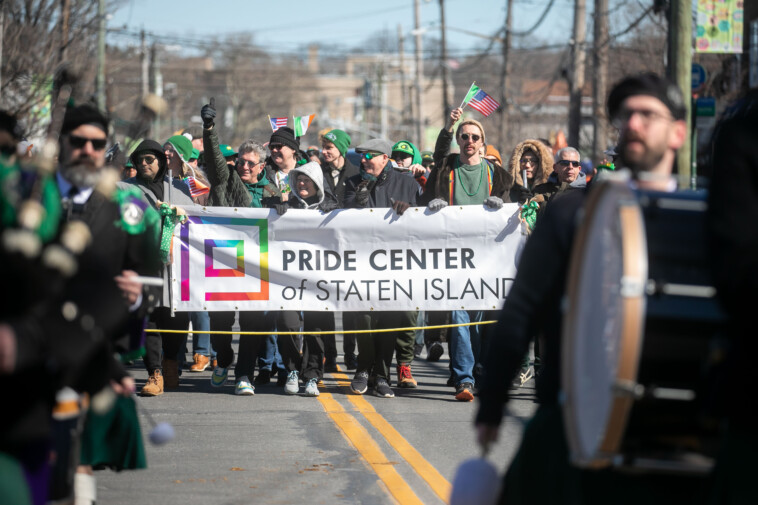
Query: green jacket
x=227, y=189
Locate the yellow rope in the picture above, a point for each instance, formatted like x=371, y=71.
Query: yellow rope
x=384, y=330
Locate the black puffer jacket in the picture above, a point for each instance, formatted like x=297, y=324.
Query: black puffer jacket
x=391, y=185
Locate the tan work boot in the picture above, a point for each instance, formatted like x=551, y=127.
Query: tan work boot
x=170, y=374
x=154, y=385
x=201, y=363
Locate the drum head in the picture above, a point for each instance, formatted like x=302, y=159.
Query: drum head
x=602, y=329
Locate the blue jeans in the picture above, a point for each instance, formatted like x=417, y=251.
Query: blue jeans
x=269, y=357
x=465, y=344
x=201, y=342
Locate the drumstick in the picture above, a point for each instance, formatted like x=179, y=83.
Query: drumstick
x=147, y=281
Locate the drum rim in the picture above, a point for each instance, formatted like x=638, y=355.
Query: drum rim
x=634, y=270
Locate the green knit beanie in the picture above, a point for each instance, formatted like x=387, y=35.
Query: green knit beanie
x=183, y=146
x=340, y=139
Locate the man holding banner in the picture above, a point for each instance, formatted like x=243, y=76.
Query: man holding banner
x=464, y=179
x=378, y=186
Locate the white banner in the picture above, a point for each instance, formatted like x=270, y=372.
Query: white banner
x=372, y=259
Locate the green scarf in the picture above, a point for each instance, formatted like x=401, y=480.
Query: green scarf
x=256, y=191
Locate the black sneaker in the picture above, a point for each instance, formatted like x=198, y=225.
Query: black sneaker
x=434, y=353
x=263, y=378
x=359, y=384
x=351, y=362
x=382, y=389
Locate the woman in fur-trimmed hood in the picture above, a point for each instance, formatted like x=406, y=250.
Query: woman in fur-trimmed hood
x=539, y=173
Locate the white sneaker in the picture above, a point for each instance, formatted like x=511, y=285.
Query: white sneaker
x=311, y=387
x=244, y=388
x=292, y=386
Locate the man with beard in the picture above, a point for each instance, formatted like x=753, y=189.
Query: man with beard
x=649, y=112
x=122, y=246
x=464, y=179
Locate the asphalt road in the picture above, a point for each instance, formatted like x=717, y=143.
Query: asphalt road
x=338, y=448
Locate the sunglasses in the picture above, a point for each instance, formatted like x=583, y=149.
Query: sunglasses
x=369, y=156
x=474, y=137
x=147, y=158
x=528, y=161
x=275, y=146
x=566, y=163
x=79, y=142
x=248, y=163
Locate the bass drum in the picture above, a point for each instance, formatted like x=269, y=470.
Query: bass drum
x=639, y=331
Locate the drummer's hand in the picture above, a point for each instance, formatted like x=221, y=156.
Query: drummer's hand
x=486, y=434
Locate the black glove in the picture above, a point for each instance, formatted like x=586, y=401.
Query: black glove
x=362, y=192
x=281, y=208
x=328, y=206
x=400, y=206
x=208, y=113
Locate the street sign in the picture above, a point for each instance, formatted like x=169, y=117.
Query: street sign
x=698, y=77
x=705, y=106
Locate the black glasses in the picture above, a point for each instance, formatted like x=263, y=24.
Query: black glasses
x=528, y=161
x=566, y=163
x=147, y=158
x=79, y=142
x=275, y=146
x=369, y=156
x=646, y=117
x=474, y=137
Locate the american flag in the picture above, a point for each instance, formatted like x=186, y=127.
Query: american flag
x=196, y=187
x=484, y=103
x=277, y=122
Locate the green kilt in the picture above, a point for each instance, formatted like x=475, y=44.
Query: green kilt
x=113, y=439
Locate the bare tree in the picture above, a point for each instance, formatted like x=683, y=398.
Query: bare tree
x=39, y=38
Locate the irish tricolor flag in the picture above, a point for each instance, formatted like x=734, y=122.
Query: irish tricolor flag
x=302, y=123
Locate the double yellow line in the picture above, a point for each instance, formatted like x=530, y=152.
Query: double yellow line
x=360, y=438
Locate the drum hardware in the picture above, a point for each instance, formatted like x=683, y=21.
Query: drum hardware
x=631, y=287
x=638, y=392
x=654, y=287
x=690, y=463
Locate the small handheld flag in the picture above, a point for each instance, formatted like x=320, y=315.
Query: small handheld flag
x=196, y=187
x=479, y=100
x=302, y=123
x=277, y=122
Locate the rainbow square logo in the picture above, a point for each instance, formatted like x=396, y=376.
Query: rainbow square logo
x=223, y=259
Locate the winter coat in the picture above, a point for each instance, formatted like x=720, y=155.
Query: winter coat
x=390, y=185
x=520, y=193
x=227, y=189
x=338, y=189
x=324, y=199
x=442, y=177
x=553, y=187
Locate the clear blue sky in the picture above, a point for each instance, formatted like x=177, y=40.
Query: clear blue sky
x=286, y=25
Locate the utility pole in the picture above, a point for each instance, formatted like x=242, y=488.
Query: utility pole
x=65, y=13
x=419, y=75
x=100, y=82
x=2, y=30
x=680, y=71
x=403, y=91
x=144, y=65
x=576, y=74
x=600, y=79
x=445, y=69
x=504, y=77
